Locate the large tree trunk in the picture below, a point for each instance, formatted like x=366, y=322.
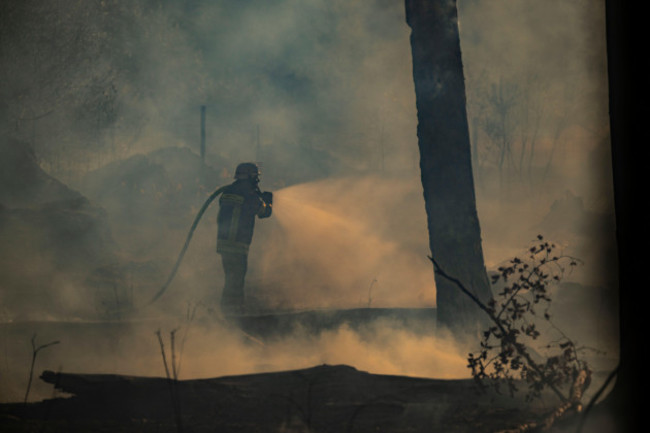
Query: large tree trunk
x=445, y=161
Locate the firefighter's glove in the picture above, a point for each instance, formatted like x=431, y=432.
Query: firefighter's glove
x=267, y=196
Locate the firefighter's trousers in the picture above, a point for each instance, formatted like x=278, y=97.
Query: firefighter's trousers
x=232, y=297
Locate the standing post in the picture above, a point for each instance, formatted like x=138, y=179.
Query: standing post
x=381, y=147
x=203, y=134
x=258, y=146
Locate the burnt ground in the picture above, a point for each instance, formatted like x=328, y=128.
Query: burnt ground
x=323, y=398
x=267, y=325
x=320, y=399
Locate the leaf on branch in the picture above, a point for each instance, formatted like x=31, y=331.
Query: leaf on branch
x=504, y=357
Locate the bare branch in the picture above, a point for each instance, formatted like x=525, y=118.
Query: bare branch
x=519, y=348
x=35, y=351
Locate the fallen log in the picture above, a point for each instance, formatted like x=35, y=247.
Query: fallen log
x=323, y=398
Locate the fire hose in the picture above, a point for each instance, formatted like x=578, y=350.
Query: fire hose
x=266, y=196
x=207, y=203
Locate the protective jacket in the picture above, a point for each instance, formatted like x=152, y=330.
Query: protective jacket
x=239, y=204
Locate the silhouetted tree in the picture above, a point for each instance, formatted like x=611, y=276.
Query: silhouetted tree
x=445, y=161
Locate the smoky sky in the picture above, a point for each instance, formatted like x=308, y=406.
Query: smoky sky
x=332, y=77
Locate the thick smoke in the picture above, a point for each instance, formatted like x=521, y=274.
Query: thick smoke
x=540, y=70
x=205, y=349
x=320, y=93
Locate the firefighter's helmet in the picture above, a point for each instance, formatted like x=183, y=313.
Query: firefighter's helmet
x=247, y=170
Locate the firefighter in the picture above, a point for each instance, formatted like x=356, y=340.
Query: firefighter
x=239, y=204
